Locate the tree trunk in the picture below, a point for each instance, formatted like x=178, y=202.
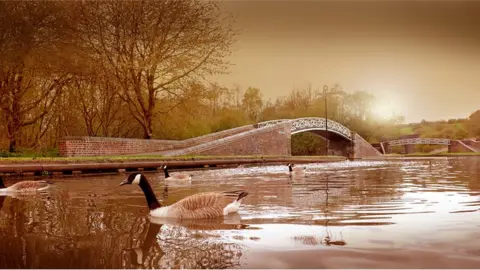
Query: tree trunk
x=146, y=133
x=13, y=145
x=12, y=131
x=13, y=127
x=147, y=128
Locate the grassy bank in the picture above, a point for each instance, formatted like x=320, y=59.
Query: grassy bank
x=107, y=159
x=435, y=155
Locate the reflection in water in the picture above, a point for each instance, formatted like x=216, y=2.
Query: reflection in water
x=138, y=255
x=327, y=239
x=348, y=208
x=185, y=244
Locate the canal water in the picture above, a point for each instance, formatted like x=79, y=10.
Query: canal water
x=362, y=214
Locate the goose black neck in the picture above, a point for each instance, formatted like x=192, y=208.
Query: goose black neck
x=2, y=185
x=149, y=195
x=166, y=173
x=151, y=236
x=290, y=168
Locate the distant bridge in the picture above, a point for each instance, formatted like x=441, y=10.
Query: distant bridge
x=419, y=141
x=409, y=144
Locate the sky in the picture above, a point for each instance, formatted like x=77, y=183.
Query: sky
x=420, y=59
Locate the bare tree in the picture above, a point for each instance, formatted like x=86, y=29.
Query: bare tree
x=153, y=47
x=31, y=36
x=252, y=103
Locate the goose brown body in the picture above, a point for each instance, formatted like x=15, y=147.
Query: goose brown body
x=24, y=186
x=203, y=205
x=198, y=206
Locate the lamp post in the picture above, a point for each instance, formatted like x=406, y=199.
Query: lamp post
x=325, y=89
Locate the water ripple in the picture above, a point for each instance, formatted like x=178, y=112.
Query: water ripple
x=352, y=207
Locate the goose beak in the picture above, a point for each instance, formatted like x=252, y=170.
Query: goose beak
x=124, y=182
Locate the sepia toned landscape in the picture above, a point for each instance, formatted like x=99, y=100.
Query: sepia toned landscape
x=239, y=134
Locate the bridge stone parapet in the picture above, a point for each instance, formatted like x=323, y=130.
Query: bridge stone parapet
x=458, y=146
x=268, y=140
x=473, y=144
x=108, y=146
x=363, y=149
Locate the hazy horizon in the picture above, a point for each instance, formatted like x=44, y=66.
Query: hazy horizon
x=419, y=58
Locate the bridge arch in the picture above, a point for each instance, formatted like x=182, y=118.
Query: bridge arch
x=312, y=124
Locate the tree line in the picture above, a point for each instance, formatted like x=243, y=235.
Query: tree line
x=141, y=69
x=103, y=68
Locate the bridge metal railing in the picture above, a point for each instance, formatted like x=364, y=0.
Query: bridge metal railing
x=311, y=123
x=419, y=141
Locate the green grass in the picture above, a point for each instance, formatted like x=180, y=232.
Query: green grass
x=406, y=130
x=30, y=153
x=433, y=155
x=105, y=159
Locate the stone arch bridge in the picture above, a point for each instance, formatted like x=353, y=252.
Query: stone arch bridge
x=264, y=138
x=342, y=141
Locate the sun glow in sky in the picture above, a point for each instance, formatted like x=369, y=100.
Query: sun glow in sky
x=383, y=111
x=386, y=106
x=422, y=55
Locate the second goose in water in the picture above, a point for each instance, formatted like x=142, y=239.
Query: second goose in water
x=198, y=206
x=177, y=176
x=24, y=186
x=296, y=170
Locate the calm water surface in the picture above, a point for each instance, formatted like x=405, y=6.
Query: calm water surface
x=365, y=214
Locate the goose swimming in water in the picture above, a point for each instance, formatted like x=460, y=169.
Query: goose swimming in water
x=24, y=186
x=198, y=206
x=296, y=170
x=177, y=176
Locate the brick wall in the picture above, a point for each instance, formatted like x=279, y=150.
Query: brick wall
x=340, y=148
x=459, y=147
x=99, y=146
x=363, y=149
x=106, y=146
x=215, y=136
x=474, y=144
x=271, y=140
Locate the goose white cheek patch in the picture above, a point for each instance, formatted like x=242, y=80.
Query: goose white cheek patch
x=137, y=179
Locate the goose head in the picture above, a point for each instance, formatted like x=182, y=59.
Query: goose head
x=142, y=182
x=290, y=166
x=134, y=178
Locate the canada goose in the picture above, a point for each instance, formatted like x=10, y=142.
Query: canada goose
x=296, y=170
x=177, y=176
x=24, y=186
x=197, y=206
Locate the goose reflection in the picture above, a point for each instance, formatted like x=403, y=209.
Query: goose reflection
x=138, y=255
x=174, y=243
x=2, y=201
